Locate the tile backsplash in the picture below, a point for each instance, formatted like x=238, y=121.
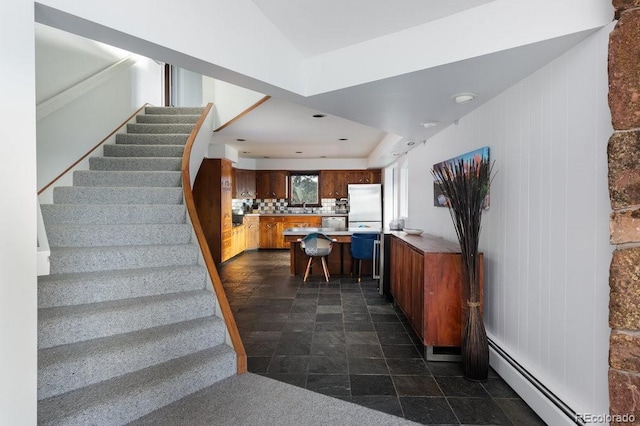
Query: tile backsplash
x=271, y=205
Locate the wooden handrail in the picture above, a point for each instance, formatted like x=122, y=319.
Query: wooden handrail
x=245, y=112
x=92, y=149
x=204, y=247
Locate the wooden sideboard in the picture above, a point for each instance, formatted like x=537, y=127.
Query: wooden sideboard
x=426, y=283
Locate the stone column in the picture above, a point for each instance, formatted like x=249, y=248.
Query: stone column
x=624, y=191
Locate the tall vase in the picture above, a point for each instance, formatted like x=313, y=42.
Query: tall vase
x=475, y=348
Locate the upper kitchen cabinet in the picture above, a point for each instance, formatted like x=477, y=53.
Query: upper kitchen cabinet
x=363, y=176
x=333, y=184
x=272, y=184
x=376, y=176
x=244, y=184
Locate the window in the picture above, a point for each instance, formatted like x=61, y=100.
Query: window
x=304, y=188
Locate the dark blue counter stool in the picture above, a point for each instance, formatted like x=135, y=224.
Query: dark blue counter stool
x=362, y=249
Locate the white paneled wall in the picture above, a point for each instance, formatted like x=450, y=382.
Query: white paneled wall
x=545, y=236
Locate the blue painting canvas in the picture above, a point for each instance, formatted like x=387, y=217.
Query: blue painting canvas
x=480, y=154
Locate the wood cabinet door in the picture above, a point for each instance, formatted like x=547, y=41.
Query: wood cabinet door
x=263, y=184
x=278, y=237
x=272, y=184
x=271, y=232
x=279, y=184
x=376, y=176
x=340, y=188
x=327, y=183
x=252, y=232
x=235, y=189
x=416, y=283
x=245, y=184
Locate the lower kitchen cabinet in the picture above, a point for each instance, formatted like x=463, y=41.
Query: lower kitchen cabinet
x=426, y=283
x=234, y=244
x=271, y=228
x=252, y=232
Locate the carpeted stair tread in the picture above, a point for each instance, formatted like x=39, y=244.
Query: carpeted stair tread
x=126, y=319
x=167, y=118
x=126, y=178
x=135, y=163
x=117, y=195
x=159, y=128
x=67, y=367
x=173, y=110
x=128, y=397
x=113, y=213
x=69, y=324
x=151, y=139
x=101, y=286
x=87, y=259
x=117, y=235
x=124, y=150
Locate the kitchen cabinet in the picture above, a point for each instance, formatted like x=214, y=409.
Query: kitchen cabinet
x=358, y=176
x=271, y=228
x=252, y=232
x=333, y=184
x=233, y=243
x=303, y=221
x=244, y=184
x=426, y=283
x=212, y=194
x=272, y=184
x=376, y=176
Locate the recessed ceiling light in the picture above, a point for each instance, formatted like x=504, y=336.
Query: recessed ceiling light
x=298, y=152
x=463, y=98
x=428, y=124
x=319, y=115
x=240, y=140
x=411, y=143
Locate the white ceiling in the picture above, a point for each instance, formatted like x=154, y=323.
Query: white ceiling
x=316, y=27
x=283, y=128
x=376, y=68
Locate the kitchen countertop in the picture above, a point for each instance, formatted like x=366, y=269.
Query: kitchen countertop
x=330, y=231
x=301, y=214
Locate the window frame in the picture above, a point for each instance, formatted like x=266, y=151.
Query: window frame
x=292, y=174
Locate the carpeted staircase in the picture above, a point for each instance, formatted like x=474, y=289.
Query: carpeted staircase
x=126, y=320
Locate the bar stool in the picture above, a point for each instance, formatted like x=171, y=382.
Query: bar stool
x=362, y=249
x=317, y=245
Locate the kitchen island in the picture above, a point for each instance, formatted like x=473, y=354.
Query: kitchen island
x=338, y=262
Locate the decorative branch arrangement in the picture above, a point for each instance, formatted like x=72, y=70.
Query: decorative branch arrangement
x=465, y=184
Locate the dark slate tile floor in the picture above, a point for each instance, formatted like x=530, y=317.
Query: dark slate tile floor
x=345, y=340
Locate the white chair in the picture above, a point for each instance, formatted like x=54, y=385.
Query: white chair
x=317, y=245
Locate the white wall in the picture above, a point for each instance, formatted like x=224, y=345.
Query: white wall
x=545, y=236
x=228, y=99
x=18, y=299
x=63, y=60
x=72, y=130
x=188, y=90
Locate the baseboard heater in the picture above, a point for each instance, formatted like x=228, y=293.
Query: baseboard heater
x=539, y=386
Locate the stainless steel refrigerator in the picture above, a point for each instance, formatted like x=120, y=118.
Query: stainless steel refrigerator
x=365, y=206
